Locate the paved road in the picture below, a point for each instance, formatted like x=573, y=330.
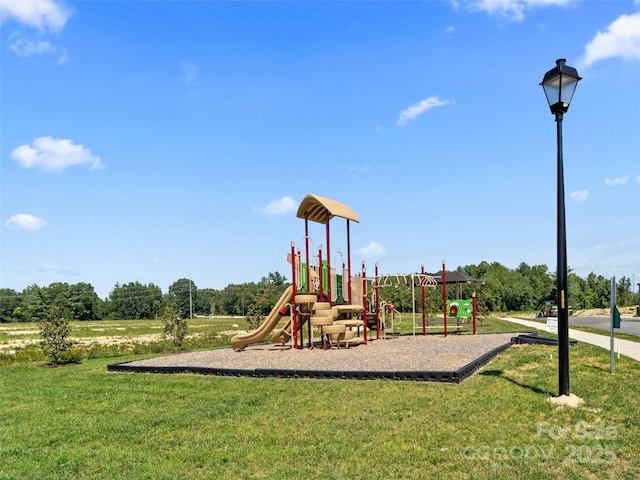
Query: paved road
x=630, y=325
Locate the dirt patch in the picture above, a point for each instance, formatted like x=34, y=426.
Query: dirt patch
x=101, y=340
x=604, y=312
x=571, y=401
x=117, y=340
x=593, y=312
x=84, y=341
x=22, y=332
x=18, y=331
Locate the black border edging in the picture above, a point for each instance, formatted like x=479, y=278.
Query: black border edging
x=533, y=339
x=419, y=376
x=472, y=367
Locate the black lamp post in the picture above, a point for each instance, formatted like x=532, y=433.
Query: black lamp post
x=559, y=83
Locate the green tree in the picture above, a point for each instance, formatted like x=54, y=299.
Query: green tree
x=576, y=296
x=597, y=291
x=235, y=298
x=541, y=283
x=135, y=301
x=83, y=302
x=183, y=293
x=34, y=304
x=624, y=296
x=255, y=313
x=399, y=294
x=208, y=301
x=54, y=330
x=175, y=326
x=56, y=293
x=9, y=302
x=276, y=278
x=271, y=288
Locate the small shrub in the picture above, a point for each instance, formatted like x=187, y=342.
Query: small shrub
x=73, y=355
x=29, y=353
x=54, y=330
x=175, y=327
x=254, y=315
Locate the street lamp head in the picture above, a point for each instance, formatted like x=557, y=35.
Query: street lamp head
x=559, y=84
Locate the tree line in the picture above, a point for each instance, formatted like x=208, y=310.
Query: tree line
x=525, y=288
x=134, y=300
x=498, y=289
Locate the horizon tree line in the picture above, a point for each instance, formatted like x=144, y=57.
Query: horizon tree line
x=499, y=289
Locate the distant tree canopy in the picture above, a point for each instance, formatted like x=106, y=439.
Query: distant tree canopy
x=500, y=289
x=522, y=289
x=134, y=301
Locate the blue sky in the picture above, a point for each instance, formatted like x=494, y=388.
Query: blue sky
x=151, y=141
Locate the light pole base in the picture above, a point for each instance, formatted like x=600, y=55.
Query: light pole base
x=571, y=400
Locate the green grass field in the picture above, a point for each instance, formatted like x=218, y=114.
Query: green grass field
x=83, y=422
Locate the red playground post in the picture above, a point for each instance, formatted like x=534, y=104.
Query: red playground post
x=473, y=304
x=294, y=316
x=364, y=302
x=424, y=313
x=444, y=296
x=377, y=290
x=320, y=278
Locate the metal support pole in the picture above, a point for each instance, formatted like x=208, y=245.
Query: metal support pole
x=561, y=273
x=613, y=306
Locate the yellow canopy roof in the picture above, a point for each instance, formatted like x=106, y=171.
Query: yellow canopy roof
x=315, y=208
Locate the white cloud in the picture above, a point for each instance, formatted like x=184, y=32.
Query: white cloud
x=358, y=169
x=580, y=195
x=54, y=154
x=512, y=10
x=638, y=177
x=412, y=112
x=26, y=48
x=372, y=249
x=278, y=207
x=617, y=181
x=43, y=15
x=25, y=221
x=620, y=39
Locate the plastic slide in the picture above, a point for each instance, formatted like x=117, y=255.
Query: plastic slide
x=239, y=342
x=283, y=335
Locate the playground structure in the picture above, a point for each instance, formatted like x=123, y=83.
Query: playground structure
x=338, y=306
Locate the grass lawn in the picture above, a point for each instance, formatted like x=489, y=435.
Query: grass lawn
x=81, y=421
